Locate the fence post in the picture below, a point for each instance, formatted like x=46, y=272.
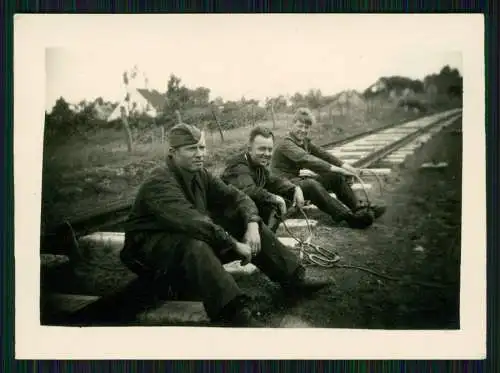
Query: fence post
x=126, y=127
x=217, y=122
x=273, y=116
x=178, y=115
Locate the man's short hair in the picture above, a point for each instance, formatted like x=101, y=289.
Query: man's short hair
x=260, y=131
x=304, y=115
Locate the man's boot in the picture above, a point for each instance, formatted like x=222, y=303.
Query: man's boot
x=237, y=314
x=361, y=218
x=243, y=317
x=376, y=209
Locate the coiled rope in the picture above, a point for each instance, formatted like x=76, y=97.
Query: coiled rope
x=312, y=254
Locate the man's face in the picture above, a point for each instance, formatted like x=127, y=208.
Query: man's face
x=301, y=130
x=190, y=157
x=261, y=149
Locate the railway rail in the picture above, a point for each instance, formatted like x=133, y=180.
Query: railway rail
x=361, y=150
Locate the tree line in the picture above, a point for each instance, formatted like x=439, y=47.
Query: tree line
x=194, y=105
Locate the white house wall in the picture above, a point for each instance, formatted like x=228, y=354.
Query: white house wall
x=141, y=106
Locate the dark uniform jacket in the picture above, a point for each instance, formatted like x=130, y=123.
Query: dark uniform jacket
x=292, y=155
x=255, y=180
x=165, y=205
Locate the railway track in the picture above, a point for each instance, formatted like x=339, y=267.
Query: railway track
x=377, y=151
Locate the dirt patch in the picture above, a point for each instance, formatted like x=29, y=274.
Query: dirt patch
x=417, y=242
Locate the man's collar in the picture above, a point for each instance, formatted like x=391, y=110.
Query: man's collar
x=295, y=139
x=252, y=163
x=249, y=159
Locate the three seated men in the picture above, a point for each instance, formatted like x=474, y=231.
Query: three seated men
x=185, y=223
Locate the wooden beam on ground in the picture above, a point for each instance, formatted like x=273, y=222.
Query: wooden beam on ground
x=72, y=307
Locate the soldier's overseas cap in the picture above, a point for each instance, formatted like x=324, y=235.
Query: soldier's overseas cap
x=183, y=134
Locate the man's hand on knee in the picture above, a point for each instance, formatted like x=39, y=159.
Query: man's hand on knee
x=298, y=198
x=245, y=251
x=252, y=238
x=341, y=170
x=281, y=204
x=351, y=169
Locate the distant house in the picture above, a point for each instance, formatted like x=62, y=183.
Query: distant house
x=377, y=87
x=141, y=100
x=346, y=101
x=394, y=88
x=103, y=111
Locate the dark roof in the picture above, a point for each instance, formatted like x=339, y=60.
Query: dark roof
x=154, y=97
x=349, y=93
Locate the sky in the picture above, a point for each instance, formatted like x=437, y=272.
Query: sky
x=248, y=55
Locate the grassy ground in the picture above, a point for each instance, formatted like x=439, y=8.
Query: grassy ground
x=87, y=173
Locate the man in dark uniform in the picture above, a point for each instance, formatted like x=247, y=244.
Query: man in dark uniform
x=248, y=171
x=297, y=152
x=185, y=223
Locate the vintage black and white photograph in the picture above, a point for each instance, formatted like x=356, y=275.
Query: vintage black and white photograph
x=254, y=172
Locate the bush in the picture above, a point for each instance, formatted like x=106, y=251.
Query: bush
x=412, y=103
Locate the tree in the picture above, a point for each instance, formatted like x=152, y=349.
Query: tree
x=314, y=99
x=448, y=81
x=200, y=96
x=61, y=111
x=298, y=100
x=218, y=101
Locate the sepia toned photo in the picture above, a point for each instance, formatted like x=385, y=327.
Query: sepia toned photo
x=226, y=179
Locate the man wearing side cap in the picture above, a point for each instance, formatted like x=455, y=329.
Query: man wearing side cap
x=297, y=152
x=185, y=223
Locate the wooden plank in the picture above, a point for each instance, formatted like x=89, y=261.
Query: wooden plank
x=359, y=186
x=299, y=223
x=166, y=313
x=174, y=312
x=288, y=241
x=376, y=171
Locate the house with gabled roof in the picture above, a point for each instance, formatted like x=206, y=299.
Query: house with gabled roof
x=346, y=100
x=142, y=101
x=103, y=111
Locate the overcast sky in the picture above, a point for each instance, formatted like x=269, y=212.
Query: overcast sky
x=251, y=55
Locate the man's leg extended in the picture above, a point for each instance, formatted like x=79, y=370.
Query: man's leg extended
x=315, y=192
x=337, y=184
x=318, y=195
x=283, y=266
x=194, y=261
x=277, y=261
